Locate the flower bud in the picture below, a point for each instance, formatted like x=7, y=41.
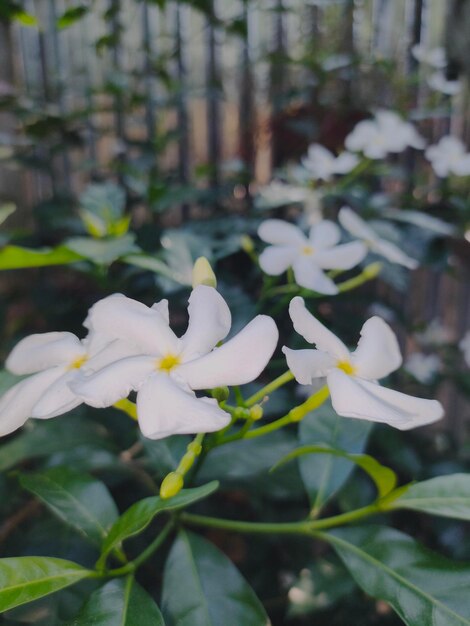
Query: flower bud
x=221, y=394
x=171, y=485
x=256, y=412
x=247, y=244
x=372, y=270
x=203, y=273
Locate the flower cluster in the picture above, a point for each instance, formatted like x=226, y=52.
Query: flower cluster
x=131, y=348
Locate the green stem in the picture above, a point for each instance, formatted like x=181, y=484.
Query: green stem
x=369, y=273
x=272, y=386
x=143, y=556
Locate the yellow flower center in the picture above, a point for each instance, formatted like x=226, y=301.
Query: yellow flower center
x=168, y=362
x=346, y=367
x=76, y=365
x=307, y=250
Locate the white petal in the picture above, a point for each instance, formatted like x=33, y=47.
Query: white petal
x=314, y=332
x=281, y=232
x=17, y=403
x=164, y=408
x=275, y=260
x=345, y=162
x=392, y=253
x=361, y=135
x=111, y=352
x=58, y=398
x=462, y=167
x=209, y=322
x=307, y=274
x=351, y=222
x=239, y=361
x=378, y=353
x=342, y=257
x=118, y=317
x=308, y=364
x=42, y=351
x=114, y=382
x=324, y=234
x=162, y=308
x=361, y=399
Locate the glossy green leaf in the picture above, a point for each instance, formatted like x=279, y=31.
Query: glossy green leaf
x=121, y=602
x=324, y=476
x=27, y=578
x=384, y=478
x=215, y=592
x=139, y=515
x=155, y=265
x=78, y=499
x=102, y=251
x=16, y=257
x=448, y=496
x=423, y=587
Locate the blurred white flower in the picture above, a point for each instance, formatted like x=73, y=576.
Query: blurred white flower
x=435, y=334
x=358, y=228
x=387, y=132
x=323, y=164
x=308, y=257
x=54, y=359
x=448, y=156
x=423, y=367
x=352, y=377
x=436, y=57
x=280, y=194
x=168, y=370
x=439, y=82
x=464, y=345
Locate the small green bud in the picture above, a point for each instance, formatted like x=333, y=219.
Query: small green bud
x=247, y=244
x=241, y=413
x=256, y=412
x=372, y=270
x=194, y=448
x=221, y=394
x=203, y=274
x=171, y=485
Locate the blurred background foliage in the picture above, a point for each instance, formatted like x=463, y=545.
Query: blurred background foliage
x=134, y=137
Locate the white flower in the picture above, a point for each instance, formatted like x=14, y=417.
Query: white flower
x=308, y=257
x=448, y=156
x=436, y=57
x=168, y=370
x=464, y=345
x=423, y=367
x=352, y=378
x=387, y=132
x=439, y=82
x=322, y=164
x=436, y=334
x=358, y=228
x=54, y=359
x=280, y=194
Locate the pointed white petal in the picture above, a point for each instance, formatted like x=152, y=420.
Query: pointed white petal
x=209, y=322
x=239, y=361
x=113, y=382
x=118, y=317
x=377, y=353
x=354, y=224
x=361, y=399
x=162, y=308
x=164, y=408
x=58, y=398
x=42, y=351
x=281, y=232
x=392, y=253
x=345, y=162
x=17, y=403
x=314, y=332
x=342, y=257
x=112, y=351
x=308, y=364
x=324, y=234
x=307, y=274
x=275, y=260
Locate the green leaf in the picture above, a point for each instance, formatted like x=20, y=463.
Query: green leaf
x=102, y=251
x=6, y=209
x=25, y=19
x=41, y=438
x=105, y=200
x=72, y=15
x=322, y=477
x=27, y=578
x=423, y=587
x=16, y=257
x=139, y=515
x=448, y=496
x=384, y=478
x=79, y=500
x=215, y=592
x=120, y=602
x=155, y=265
